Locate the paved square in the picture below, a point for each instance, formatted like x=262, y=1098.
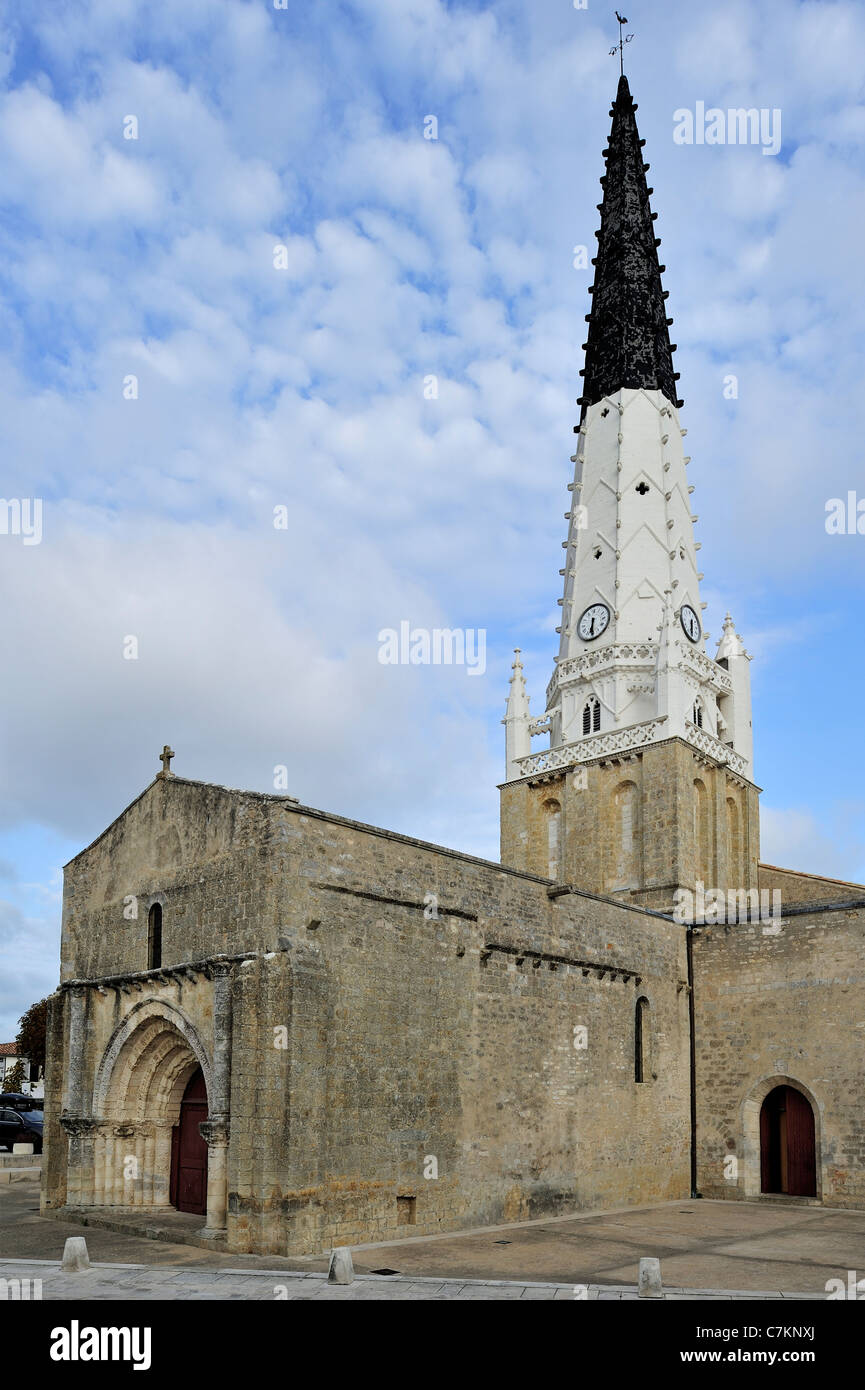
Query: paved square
x=704, y=1248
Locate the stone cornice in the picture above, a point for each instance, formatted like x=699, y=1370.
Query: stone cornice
x=591, y=748
x=164, y=974
x=568, y=761
x=537, y=958
x=602, y=660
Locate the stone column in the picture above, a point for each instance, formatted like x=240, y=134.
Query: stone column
x=162, y=1165
x=75, y=1102
x=80, y=1131
x=76, y=1118
x=220, y=1100
x=149, y=1163
x=121, y=1186
x=215, y=1134
x=215, y=1129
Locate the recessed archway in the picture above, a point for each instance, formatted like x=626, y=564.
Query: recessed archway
x=140, y=1086
x=766, y=1136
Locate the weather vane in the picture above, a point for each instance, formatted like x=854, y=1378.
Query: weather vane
x=620, y=46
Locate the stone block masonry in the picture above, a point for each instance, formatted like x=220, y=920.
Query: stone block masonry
x=404, y=1044
x=781, y=1005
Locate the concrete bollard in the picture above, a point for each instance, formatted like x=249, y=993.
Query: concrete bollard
x=341, y=1268
x=75, y=1256
x=649, y=1279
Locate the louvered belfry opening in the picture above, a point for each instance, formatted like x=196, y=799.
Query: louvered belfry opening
x=628, y=343
x=591, y=716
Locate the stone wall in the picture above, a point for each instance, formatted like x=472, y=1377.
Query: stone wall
x=781, y=1003
x=796, y=888
x=641, y=824
x=403, y=1053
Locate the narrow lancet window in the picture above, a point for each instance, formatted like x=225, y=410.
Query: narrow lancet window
x=641, y=1040
x=154, y=937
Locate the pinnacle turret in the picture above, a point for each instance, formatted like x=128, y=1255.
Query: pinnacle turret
x=731, y=643
x=518, y=739
x=628, y=342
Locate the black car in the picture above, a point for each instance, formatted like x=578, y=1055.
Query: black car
x=16, y=1100
x=21, y=1127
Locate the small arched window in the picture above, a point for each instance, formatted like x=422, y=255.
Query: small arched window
x=154, y=937
x=591, y=716
x=697, y=714
x=642, y=1040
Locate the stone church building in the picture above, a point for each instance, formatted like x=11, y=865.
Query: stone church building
x=312, y=1032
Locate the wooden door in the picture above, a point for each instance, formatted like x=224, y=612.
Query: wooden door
x=188, y=1190
x=788, y=1162
x=801, y=1149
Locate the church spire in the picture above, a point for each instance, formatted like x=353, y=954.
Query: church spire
x=628, y=344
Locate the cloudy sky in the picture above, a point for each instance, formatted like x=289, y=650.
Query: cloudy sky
x=167, y=381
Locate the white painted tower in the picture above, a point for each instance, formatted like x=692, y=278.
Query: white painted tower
x=632, y=668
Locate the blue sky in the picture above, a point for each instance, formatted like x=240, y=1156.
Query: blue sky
x=303, y=387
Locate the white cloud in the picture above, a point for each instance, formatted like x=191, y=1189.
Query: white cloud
x=407, y=257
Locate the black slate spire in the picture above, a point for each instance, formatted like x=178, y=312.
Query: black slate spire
x=628, y=343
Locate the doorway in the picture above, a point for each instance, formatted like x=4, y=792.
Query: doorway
x=188, y=1189
x=788, y=1162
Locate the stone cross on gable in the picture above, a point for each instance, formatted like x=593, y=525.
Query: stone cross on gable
x=165, y=757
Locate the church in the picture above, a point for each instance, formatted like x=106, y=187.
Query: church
x=302, y=1031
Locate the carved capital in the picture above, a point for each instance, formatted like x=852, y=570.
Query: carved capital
x=77, y=1126
x=215, y=1131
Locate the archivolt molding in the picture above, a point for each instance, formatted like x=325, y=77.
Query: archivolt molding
x=162, y=1054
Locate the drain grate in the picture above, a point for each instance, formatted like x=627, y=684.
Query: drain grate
x=384, y=1271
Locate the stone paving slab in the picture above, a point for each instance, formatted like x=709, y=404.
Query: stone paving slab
x=143, y=1283
x=704, y=1246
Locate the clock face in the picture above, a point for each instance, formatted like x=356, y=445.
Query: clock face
x=594, y=621
x=690, y=623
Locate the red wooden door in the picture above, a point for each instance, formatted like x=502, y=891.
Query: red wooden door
x=801, y=1156
x=188, y=1190
x=788, y=1161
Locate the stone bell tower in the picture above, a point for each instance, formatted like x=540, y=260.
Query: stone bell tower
x=647, y=784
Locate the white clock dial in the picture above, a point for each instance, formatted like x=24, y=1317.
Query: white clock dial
x=594, y=621
x=690, y=623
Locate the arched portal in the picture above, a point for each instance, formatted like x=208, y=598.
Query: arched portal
x=153, y=1068
x=762, y=1129
x=788, y=1159
x=188, y=1190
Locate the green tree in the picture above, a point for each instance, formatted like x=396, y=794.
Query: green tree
x=31, y=1035
x=14, y=1079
